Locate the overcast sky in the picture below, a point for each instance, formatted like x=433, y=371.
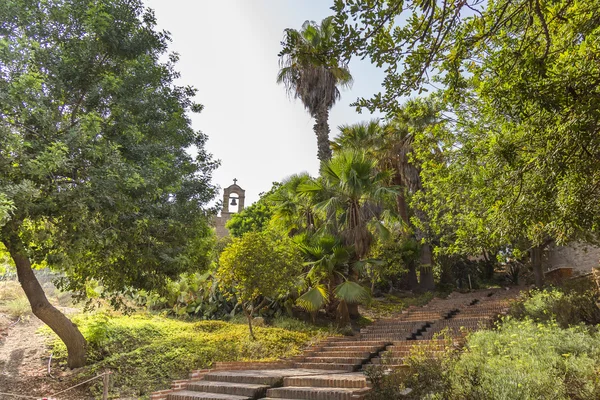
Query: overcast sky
x=228, y=51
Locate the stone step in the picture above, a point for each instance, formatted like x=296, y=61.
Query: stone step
x=329, y=366
x=229, y=388
x=312, y=393
x=387, y=361
x=348, y=381
x=191, y=395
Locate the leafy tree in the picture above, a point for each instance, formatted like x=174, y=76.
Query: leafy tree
x=391, y=145
x=312, y=71
x=519, y=82
x=259, y=264
x=254, y=218
x=94, y=158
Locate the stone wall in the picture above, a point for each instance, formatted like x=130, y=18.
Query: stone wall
x=581, y=257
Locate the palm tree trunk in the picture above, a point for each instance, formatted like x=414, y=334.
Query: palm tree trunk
x=401, y=200
x=41, y=307
x=321, y=129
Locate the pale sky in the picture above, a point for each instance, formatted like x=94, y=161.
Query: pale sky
x=228, y=51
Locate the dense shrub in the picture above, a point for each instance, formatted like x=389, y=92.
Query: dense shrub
x=566, y=305
x=520, y=360
x=528, y=360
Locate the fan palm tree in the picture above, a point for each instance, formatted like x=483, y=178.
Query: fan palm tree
x=354, y=189
x=312, y=72
x=391, y=144
x=329, y=263
x=292, y=210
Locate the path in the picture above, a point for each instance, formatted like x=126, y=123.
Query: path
x=331, y=370
x=24, y=363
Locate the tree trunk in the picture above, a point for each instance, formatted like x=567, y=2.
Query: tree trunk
x=401, y=199
x=41, y=307
x=321, y=129
x=426, y=268
x=412, y=283
x=536, y=262
x=249, y=317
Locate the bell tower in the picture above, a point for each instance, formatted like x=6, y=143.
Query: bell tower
x=233, y=202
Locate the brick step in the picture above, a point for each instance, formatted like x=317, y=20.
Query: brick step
x=416, y=347
x=355, y=342
x=348, y=381
x=251, y=377
x=230, y=388
x=340, y=353
x=370, y=349
x=329, y=366
x=392, y=331
x=335, y=360
x=312, y=393
x=190, y=395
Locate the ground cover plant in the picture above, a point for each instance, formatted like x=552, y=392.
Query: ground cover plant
x=146, y=352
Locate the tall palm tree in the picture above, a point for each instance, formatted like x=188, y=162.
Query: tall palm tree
x=391, y=145
x=312, y=72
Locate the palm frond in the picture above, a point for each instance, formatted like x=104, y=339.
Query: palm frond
x=313, y=299
x=351, y=293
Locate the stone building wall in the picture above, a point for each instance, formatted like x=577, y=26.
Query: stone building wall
x=581, y=257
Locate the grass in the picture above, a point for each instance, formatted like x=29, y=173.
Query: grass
x=147, y=351
x=12, y=300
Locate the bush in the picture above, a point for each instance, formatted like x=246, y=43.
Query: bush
x=423, y=377
x=16, y=308
x=567, y=306
x=528, y=360
x=521, y=360
x=147, y=352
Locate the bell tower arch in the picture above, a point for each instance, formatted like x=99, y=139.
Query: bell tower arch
x=233, y=195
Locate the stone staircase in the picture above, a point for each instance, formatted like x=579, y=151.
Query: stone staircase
x=330, y=370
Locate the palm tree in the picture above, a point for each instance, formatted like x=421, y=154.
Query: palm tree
x=292, y=210
x=354, y=190
x=329, y=262
x=312, y=72
x=391, y=145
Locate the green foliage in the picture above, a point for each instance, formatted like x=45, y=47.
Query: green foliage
x=519, y=360
x=516, y=157
x=17, y=307
x=566, y=307
x=528, y=360
x=197, y=295
x=94, y=146
x=146, y=352
x=259, y=264
x=254, y=218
